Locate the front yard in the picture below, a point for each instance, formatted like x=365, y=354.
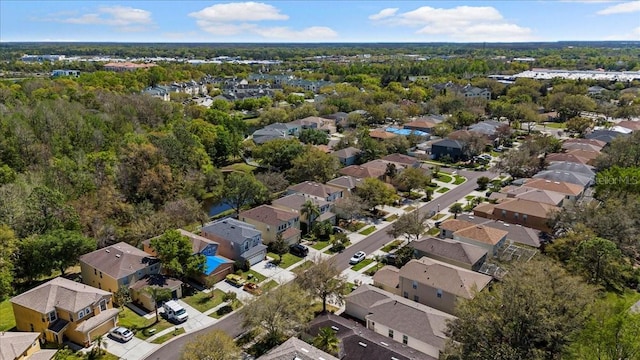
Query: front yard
x=319, y=245
x=286, y=260
x=302, y=267
x=442, y=177
x=253, y=276
x=224, y=310
x=442, y=190
x=361, y=265
x=177, y=331
x=392, y=245
x=368, y=230
x=204, y=301
x=459, y=180
x=141, y=326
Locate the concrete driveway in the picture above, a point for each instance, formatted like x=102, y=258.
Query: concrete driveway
x=132, y=349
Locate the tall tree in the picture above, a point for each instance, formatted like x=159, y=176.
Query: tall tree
x=323, y=280
x=8, y=249
x=242, y=189
x=413, y=179
x=176, y=254
x=313, y=165
x=278, y=153
x=375, y=192
x=157, y=295
x=279, y=247
x=600, y=262
x=327, y=340
x=311, y=211
x=412, y=225
x=532, y=314
x=349, y=207
x=280, y=312
x=214, y=345
x=455, y=209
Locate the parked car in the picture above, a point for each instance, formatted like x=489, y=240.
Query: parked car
x=121, y=333
x=299, y=250
x=235, y=280
x=173, y=311
x=357, y=257
x=252, y=288
x=389, y=259
x=338, y=230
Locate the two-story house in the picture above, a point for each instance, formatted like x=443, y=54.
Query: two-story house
x=236, y=240
x=273, y=222
x=62, y=309
x=466, y=256
x=23, y=346
x=413, y=324
x=487, y=238
x=296, y=202
x=117, y=265
x=533, y=214
x=347, y=183
x=347, y=156
x=318, y=190
x=439, y=285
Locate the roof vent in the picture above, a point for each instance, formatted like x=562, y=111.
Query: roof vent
x=362, y=344
x=384, y=343
x=335, y=328
x=107, y=250
x=118, y=255
x=305, y=350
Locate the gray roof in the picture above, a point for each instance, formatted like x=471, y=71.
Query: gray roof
x=60, y=293
x=198, y=243
x=516, y=233
x=572, y=167
x=565, y=176
x=118, y=260
x=449, y=143
x=450, y=249
x=232, y=230
x=295, y=201
x=347, y=182
x=314, y=188
x=485, y=127
x=295, y=348
x=347, y=152
x=14, y=344
x=452, y=279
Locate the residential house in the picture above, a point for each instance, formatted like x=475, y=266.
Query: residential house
x=533, y=194
x=23, y=346
x=159, y=92
x=580, y=146
x=466, y=91
x=126, y=66
x=317, y=123
x=438, y=284
x=296, y=349
x=517, y=234
x=297, y=200
x=318, y=190
x=487, y=238
x=599, y=143
x=447, y=147
x=528, y=213
x=381, y=134
x=347, y=156
x=572, y=192
x=415, y=325
x=271, y=222
x=357, y=342
x=117, y=266
x=423, y=125
x=348, y=184
x=236, y=240
x=604, y=135
x=363, y=172
x=487, y=128
x=387, y=278
x=464, y=255
x=62, y=309
x=632, y=125
x=275, y=131
x=339, y=117
x=402, y=161
x=572, y=167
x=65, y=72
x=566, y=176
x=567, y=157
x=595, y=90
x=141, y=296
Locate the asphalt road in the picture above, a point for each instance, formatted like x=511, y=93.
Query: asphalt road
x=232, y=324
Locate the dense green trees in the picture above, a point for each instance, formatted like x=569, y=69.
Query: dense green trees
x=241, y=189
x=176, y=254
x=214, y=345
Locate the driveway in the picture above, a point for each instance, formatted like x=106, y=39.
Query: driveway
x=133, y=349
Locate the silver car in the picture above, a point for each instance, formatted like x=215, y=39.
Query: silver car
x=121, y=333
x=357, y=257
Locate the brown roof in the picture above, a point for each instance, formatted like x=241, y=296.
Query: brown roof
x=452, y=279
x=483, y=234
x=631, y=125
x=567, y=157
x=347, y=152
x=587, y=154
x=581, y=146
x=346, y=182
x=594, y=142
x=361, y=172
x=401, y=159
x=269, y=215
x=387, y=276
x=557, y=186
x=118, y=260
x=198, y=243
x=290, y=232
x=60, y=293
x=450, y=249
x=543, y=196
x=314, y=188
x=485, y=208
x=381, y=134
x=527, y=207
x=519, y=234
x=420, y=124
x=156, y=280
x=454, y=225
x=459, y=135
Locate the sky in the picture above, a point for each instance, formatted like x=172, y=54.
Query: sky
x=319, y=21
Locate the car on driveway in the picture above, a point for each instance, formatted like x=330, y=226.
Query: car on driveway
x=357, y=257
x=299, y=250
x=121, y=333
x=338, y=230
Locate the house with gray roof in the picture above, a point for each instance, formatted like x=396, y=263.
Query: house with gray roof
x=347, y=156
x=572, y=167
x=275, y=131
x=23, y=346
x=413, y=324
x=347, y=183
x=296, y=202
x=566, y=176
x=466, y=256
x=295, y=348
x=447, y=147
x=488, y=128
x=318, y=190
x=237, y=240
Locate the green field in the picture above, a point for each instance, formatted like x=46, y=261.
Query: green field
x=368, y=230
x=286, y=261
x=443, y=190
x=7, y=321
x=204, y=301
x=361, y=264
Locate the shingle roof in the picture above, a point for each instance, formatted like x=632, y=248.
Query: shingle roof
x=629, y=124
x=543, y=196
x=60, y=293
x=517, y=233
x=572, y=167
x=361, y=172
x=381, y=134
x=231, y=230
x=295, y=201
x=527, y=207
x=118, y=260
x=314, y=188
x=347, y=182
x=388, y=276
x=13, y=344
x=557, y=186
x=295, y=348
x=420, y=124
x=456, y=144
x=581, y=146
x=450, y=249
x=455, y=225
x=347, y=152
x=593, y=142
x=565, y=176
x=449, y=278
x=401, y=159
x=156, y=280
x=482, y=234
x=587, y=154
x=567, y=157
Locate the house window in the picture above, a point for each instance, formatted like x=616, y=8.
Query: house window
x=516, y=216
x=416, y=298
x=504, y=213
x=95, y=271
x=391, y=333
x=31, y=327
x=405, y=339
x=103, y=305
x=406, y=295
x=99, y=286
x=372, y=325
x=100, y=274
x=414, y=284
x=52, y=316
x=439, y=293
x=524, y=217
x=246, y=245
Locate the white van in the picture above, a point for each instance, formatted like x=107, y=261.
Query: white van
x=174, y=311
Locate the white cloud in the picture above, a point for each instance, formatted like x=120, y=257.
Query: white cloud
x=623, y=8
x=244, y=11
x=461, y=23
x=384, y=13
x=118, y=16
x=243, y=18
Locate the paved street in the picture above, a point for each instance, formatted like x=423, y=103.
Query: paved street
x=232, y=323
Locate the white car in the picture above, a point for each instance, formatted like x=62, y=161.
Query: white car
x=357, y=257
x=121, y=333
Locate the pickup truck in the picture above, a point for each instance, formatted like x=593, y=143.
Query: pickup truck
x=252, y=288
x=235, y=280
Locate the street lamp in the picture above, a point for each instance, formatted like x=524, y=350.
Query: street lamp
x=438, y=208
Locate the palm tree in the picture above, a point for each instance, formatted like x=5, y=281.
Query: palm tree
x=311, y=211
x=157, y=294
x=456, y=209
x=327, y=340
x=96, y=351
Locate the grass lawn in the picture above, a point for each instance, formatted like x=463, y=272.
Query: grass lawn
x=469, y=197
x=269, y=285
x=319, y=245
x=409, y=208
x=242, y=167
x=459, y=180
x=235, y=305
x=392, y=245
x=203, y=301
x=443, y=190
x=133, y=321
x=317, y=308
x=165, y=337
x=7, y=321
x=352, y=226
x=256, y=277
x=555, y=125
x=368, y=230
x=392, y=217
x=361, y=264
x=442, y=177
x=287, y=259
x=439, y=216
x=302, y=267
x=331, y=252
x=433, y=231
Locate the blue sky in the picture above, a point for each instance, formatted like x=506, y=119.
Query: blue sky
x=319, y=21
